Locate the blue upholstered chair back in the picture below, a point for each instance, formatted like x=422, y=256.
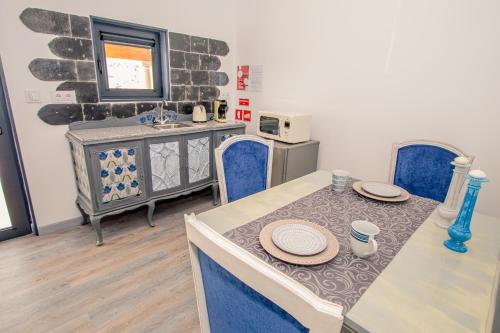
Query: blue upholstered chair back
x=243, y=166
x=424, y=169
x=234, y=307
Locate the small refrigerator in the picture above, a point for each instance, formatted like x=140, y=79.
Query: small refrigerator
x=293, y=160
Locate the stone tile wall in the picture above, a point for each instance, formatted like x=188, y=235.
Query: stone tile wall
x=194, y=70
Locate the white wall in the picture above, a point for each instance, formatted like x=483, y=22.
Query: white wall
x=331, y=58
x=44, y=149
x=439, y=80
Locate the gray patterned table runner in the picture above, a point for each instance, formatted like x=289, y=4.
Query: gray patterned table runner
x=344, y=279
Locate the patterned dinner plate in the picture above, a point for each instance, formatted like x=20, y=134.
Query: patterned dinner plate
x=381, y=189
x=299, y=239
x=330, y=252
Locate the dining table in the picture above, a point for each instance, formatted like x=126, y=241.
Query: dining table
x=422, y=287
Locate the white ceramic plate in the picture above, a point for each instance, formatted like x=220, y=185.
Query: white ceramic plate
x=299, y=239
x=381, y=189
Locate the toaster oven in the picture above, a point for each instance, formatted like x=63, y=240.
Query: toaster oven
x=285, y=127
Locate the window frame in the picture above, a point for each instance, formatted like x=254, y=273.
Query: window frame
x=126, y=33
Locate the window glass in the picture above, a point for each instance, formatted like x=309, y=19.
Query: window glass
x=269, y=125
x=129, y=66
x=131, y=61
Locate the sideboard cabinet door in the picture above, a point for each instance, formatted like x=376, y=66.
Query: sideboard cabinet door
x=166, y=171
x=118, y=174
x=221, y=136
x=199, y=149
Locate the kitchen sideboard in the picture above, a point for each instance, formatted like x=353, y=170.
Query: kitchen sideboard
x=124, y=166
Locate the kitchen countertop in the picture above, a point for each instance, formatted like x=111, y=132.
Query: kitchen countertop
x=110, y=134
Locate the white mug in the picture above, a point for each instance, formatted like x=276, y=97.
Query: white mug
x=363, y=243
x=340, y=178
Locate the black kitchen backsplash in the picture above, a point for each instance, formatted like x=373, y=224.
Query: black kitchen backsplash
x=194, y=70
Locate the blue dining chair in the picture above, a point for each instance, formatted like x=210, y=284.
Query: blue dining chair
x=238, y=292
x=244, y=164
x=423, y=167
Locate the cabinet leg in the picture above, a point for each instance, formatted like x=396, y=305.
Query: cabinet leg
x=96, y=223
x=215, y=193
x=86, y=219
x=151, y=210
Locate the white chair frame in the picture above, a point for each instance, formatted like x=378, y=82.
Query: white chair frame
x=311, y=311
x=399, y=145
x=220, y=164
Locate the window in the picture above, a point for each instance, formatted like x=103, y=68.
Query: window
x=131, y=61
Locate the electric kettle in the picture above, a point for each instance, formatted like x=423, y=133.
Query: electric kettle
x=199, y=114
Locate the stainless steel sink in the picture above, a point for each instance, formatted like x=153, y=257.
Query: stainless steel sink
x=167, y=126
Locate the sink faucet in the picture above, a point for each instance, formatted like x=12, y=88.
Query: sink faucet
x=163, y=103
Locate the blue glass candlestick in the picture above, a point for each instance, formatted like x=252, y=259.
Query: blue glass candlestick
x=460, y=231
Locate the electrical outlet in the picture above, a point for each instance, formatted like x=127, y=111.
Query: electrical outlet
x=64, y=97
x=32, y=96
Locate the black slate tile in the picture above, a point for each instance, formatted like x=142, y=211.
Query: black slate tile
x=218, y=78
x=80, y=26
x=145, y=107
x=177, y=59
x=208, y=105
x=86, y=92
x=61, y=114
x=209, y=62
x=179, y=42
x=185, y=107
x=72, y=48
x=192, y=93
x=171, y=106
x=192, y=61
x=209, y=93
x=46, y=21
x=199, y=77
x=179, y=76
x=218, y=47
x=96, y=111
x=177, y=93
x=53, y=70
x=85, y=70
x=123, y=110
x=199, y=44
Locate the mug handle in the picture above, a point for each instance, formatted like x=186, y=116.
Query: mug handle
x=374, y=246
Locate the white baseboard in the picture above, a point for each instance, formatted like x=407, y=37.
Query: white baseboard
x=59, y=226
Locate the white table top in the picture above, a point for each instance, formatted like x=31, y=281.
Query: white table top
x=426, y=287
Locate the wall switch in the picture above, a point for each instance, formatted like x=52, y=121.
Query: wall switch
x=32, y=96
x=65, y=97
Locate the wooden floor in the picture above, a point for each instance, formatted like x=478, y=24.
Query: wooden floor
x=138, y=281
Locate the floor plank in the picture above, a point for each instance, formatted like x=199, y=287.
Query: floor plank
x=139, y=281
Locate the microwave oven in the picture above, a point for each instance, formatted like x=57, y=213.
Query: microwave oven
x=285, y=127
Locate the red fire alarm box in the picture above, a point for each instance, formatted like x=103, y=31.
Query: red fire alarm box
x=244, y=101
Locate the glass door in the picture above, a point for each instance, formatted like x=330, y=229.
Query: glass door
x=14, y=209
x=4, y=213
